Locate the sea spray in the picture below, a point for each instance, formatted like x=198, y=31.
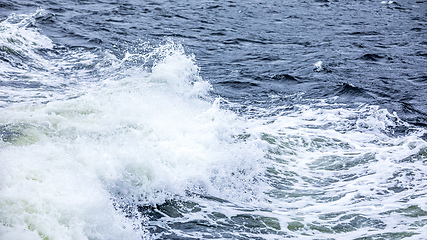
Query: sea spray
x=73, y=169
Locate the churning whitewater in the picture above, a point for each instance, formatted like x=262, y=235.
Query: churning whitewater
x=133, y=139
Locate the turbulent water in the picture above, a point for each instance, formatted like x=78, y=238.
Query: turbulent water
x=213, y=119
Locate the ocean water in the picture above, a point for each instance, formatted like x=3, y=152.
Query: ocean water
x=213, y=119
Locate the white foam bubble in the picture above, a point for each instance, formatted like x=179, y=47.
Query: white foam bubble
x=318, y=66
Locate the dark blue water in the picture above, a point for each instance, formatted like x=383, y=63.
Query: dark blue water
x=331, y=94
x=371, y=51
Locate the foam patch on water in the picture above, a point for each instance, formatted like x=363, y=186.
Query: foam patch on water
x=345, y=173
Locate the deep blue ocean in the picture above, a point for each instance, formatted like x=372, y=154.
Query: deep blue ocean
x=126, y=119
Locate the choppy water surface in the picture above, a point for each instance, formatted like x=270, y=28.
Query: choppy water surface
x=213, y=119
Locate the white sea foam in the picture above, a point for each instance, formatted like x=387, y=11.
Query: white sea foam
x=346, y=164
x=150, y=136
x=77, y=168
x=318, y=66
x=47, y=71
x=18, y=39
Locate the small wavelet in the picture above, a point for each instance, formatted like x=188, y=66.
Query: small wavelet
x=348, y=89
x=285, y=77
x=30, y=60
x=371, y=57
